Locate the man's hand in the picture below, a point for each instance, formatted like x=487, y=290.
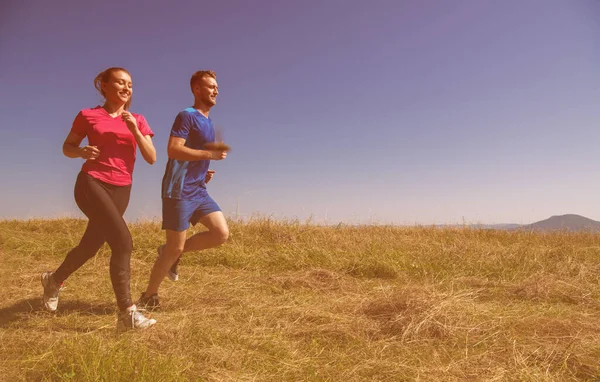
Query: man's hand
x=209, y=176
x=218, y=154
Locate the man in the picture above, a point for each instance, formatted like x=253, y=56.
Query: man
x=184, y=196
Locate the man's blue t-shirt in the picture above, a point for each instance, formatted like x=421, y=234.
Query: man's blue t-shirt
x=184, y=180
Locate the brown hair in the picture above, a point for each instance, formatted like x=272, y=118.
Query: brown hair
x=104, y=76
x=198, y=76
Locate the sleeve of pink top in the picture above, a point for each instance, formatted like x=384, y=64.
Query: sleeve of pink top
x=144, y=127
x=80, y=125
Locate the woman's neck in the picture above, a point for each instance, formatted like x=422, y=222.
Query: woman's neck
x=113, y=109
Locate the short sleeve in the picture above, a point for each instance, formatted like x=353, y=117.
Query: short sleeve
x=144, y=127
x=80, y=125
x=181, y=126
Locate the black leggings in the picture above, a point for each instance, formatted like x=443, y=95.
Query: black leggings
x=104, y=204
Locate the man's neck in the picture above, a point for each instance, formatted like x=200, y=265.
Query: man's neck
x=202, y=108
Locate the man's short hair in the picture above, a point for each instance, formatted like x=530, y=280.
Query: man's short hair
x=198, y=76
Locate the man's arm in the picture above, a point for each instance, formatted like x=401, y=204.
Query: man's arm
x=177, y=150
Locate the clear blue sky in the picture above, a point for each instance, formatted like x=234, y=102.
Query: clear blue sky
x=393, y=111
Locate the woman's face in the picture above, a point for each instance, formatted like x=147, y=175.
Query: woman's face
x=119, y=88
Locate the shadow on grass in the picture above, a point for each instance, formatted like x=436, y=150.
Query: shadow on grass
x=23, y=310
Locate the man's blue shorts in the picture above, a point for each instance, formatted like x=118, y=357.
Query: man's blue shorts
x=178, y=214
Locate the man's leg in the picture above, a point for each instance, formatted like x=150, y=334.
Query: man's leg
x=170, y=253
x=217, y=234
x=208, y=214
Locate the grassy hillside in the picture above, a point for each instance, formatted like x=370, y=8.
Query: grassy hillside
x=286, y=301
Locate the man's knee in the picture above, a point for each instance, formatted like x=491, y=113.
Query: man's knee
x=175, y=244
x=221, y=234
x=173, y=250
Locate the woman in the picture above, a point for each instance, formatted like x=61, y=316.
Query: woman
x=103, y=187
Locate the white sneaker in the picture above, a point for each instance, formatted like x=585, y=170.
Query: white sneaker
x=132, y=318
x=51, y=291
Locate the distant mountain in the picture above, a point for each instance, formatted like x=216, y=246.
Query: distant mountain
x=568, y=222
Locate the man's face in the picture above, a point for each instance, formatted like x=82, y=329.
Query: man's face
x=206, y=90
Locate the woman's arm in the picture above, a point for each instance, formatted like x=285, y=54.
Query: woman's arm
x=71, y=148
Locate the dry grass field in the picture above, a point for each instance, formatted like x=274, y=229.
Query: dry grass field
x=289, y=301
